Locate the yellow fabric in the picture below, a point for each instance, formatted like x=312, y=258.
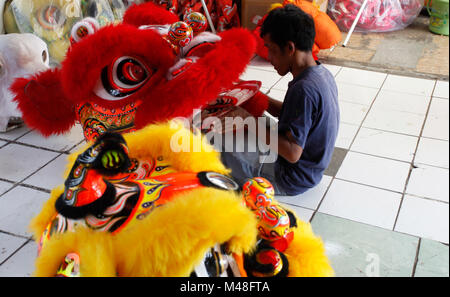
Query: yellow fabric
x=173, y=239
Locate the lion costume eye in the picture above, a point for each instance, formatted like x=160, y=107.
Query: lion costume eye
x=123, y=77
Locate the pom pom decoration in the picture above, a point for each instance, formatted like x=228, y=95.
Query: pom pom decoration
x=196, y=21
x=180, y=34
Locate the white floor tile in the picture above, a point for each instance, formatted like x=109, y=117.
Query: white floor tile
x=4, y=186
x=14, y=134
x=2, y=143
x=361, y=77
x=441, y=90
x=267, y=78
x=283, y=83
x=20, y=264
x=385, y=144
x=259, y=63
x=311, y=198
x=437, y=122
x=346, y=135
x=264, y=90
x=51, y=175
x=432, y=152
x=424, y=218
x=333, y=68
x=430, y=182
x=302, y=213
x=356, y=94
x=57, y=142
x=78, y=148
x=19, y=161
x=361, y=203
x=277, y=94
x=394, y=121
x=18, y=207
x=410, y=85
x=352, y=113
x=374, y=171
x=9, y=244
x=402, y=102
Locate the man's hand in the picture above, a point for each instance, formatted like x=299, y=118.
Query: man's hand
x=232, y=121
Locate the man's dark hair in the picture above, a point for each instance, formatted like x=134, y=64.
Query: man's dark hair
x=290, y=23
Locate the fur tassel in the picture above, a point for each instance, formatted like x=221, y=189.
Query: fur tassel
x=43, y=103
x=257, y=104
x=148, y=13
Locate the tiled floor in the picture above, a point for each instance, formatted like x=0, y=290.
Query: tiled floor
x=382, y=209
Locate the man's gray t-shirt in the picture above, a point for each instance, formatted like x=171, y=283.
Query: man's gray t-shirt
x=311, y=113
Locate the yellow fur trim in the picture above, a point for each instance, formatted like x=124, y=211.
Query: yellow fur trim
x=171, y=241
x=94, y=248
x=175, y=238
x=306, y=254
x=195, y=153
x=166, y=138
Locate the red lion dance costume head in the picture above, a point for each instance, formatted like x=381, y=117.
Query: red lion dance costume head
x=124, y=77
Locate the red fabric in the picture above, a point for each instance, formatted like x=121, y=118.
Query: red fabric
x=257, y=104
x=148, y=13
x=48, y=100
x=44, y=104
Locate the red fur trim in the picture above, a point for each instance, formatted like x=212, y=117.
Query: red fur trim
x=148, y=14
x=202, y=82
x=83, y=65
x=257, y=104
x=43, y=104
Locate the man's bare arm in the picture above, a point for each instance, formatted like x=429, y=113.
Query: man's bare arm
x=274, y=107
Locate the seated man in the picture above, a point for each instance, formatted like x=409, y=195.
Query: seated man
x=308, y=117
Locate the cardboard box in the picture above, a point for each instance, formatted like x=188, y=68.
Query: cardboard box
x=253, y=10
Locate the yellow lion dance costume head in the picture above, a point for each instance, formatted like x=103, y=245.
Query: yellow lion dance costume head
x=131, y=206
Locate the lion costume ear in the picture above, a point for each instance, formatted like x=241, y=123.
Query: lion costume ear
x=148, y=14
x=43, y=103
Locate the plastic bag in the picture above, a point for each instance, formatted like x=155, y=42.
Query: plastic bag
x=378, y=15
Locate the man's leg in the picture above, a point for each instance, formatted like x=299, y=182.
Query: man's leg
x=267, y=170
x=242, y=165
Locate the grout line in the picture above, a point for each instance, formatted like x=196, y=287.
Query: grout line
x=378, y=156
x=367, y=185
x=339, y=71
x=15, y=235
x=392, y=191
x=274, y=85
x=375, y=226
x=11, y=140
x=412, y=166
x=35, y=188
x=19, y=183
x=368, y=111
x=38, y=147
x=321, y=200
x=16, y=251
x=416, y=260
